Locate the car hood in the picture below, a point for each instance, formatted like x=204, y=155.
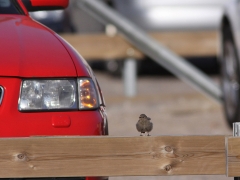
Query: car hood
x=30, y=50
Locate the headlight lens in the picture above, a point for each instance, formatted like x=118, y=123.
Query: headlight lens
x=66, y=94
x=48, y=95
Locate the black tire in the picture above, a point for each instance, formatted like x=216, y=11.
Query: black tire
x=230, y=77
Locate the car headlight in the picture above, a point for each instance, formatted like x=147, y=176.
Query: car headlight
x=57, y=95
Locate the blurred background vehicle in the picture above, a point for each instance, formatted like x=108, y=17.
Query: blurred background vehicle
x=151, y=15
x=52, y=19
x=156, y=15
x=230, y=53
x=57, y=20
x=170, y=15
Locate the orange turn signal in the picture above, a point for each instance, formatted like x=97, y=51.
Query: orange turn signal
x=88, y=98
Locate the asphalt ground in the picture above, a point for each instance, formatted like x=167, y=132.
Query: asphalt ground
x=174, y=107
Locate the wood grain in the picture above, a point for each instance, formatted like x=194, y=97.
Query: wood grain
x=112, y=156
x=102, y=47
x=233, y=156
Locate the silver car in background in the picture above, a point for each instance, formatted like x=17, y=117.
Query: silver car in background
x=58, y=20
x=165, y=15
x=52, y=19
x=151, y=15
x=168, y=15
x=230, y=62
x=157, y=15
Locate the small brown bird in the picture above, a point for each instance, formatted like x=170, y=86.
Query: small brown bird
x=144, y=125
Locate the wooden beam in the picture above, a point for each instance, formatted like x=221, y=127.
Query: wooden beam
x=103, y=47
x=233, y=156
x=112, y=156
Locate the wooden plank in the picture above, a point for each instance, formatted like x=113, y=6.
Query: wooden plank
x=233, y=156
x=102, y=47
x=112, y=156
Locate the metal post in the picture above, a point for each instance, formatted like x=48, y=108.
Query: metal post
x=236, y=133
x=175, y=64
x=130, y=77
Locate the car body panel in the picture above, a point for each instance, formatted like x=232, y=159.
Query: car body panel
x=14, y=123
x=78, y=60
x=30, y=50
x=52, y=3
x=23, y=39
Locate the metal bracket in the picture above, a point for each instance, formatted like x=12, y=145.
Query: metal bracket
x=236, y=133
x=236, y=129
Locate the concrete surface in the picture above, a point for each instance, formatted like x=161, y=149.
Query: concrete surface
x=174, y=107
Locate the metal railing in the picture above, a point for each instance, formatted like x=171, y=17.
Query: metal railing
x=175, y=64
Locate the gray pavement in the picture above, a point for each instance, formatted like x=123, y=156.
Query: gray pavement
x=174, y=107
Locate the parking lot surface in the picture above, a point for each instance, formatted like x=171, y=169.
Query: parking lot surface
x=174, y=107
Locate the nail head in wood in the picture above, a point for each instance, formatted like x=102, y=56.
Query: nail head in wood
x=168, y=168
x=168, y=148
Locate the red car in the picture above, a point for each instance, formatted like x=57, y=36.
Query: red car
x=46, y=87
